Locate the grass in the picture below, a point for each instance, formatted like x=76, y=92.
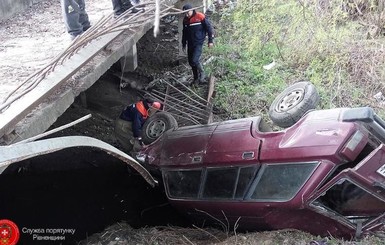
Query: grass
x=332, y=46
x=122, y=233
x=328, y=46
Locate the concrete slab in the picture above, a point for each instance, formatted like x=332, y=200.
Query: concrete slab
x=38, y=51
x=21, y=107
x=31, y=39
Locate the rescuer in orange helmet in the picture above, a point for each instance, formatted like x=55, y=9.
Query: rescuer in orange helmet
x=138, y=113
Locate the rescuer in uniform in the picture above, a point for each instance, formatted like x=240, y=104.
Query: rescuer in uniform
x=137, y=114
x=195, y=27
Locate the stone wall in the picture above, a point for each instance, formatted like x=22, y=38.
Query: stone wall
x=9, y=8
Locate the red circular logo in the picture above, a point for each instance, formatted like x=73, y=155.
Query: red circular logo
x=9, y=233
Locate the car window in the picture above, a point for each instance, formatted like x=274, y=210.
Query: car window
x=280, y=182
x=220, y=183
x=227, y=183
x=183, y=184
x=246, y=175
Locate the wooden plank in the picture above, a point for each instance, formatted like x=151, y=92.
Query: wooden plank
x=210, y=99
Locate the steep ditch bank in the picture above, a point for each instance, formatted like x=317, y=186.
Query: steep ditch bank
x=82, y=191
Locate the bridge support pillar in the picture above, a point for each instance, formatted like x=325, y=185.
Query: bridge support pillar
x=129, y=62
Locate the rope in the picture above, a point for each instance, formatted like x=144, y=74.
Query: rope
x=157, y=18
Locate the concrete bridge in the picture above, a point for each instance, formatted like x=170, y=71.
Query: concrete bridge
x=31, y=103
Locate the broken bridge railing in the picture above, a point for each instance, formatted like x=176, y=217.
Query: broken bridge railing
x=190, y=105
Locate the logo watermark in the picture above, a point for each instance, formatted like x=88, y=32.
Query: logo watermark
x=9, y=232
x=48, y=234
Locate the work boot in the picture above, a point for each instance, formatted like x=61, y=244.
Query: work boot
x=201, y=74
x=136, y=10
x=195, y=74
x=119, y=7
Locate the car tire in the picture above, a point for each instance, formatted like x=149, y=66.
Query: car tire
x=156, y=125
x=290, y=105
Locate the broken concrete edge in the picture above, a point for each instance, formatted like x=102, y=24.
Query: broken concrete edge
x=45, y=114
x=50, y=84
x=18, y=152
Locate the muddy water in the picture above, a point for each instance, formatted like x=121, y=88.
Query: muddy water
x=75, y=193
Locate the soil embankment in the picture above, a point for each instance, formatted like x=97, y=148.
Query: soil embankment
x=85, y=190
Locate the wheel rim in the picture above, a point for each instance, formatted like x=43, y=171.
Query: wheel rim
x=290, y=100
x=156, y=129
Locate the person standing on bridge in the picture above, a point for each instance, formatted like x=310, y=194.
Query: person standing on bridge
x=195, y=27
x=120, y=6
x=75, y=17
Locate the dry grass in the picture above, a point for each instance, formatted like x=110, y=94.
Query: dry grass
x=122, y=233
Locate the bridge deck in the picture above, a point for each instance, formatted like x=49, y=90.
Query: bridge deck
x=30, y=41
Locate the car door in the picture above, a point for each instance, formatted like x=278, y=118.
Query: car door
x=356, y=196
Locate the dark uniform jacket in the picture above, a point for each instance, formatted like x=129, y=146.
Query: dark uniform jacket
x=133, y=114
x=195, y=29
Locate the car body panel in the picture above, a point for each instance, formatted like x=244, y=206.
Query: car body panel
x=325, y=174
x=210, y=144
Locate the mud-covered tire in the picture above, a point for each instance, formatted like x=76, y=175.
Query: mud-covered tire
x=290, y=105
x=156, y=125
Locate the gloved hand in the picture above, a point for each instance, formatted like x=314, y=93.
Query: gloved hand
x=140, y=141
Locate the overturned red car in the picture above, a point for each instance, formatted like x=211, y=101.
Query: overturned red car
x=325, y=174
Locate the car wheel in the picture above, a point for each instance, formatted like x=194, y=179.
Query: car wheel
x=156, y=125
x=290, y=105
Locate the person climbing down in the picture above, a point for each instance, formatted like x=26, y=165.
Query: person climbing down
x=137, y=114
x=195, y=27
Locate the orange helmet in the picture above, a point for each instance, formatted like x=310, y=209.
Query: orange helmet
x=156, y=105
